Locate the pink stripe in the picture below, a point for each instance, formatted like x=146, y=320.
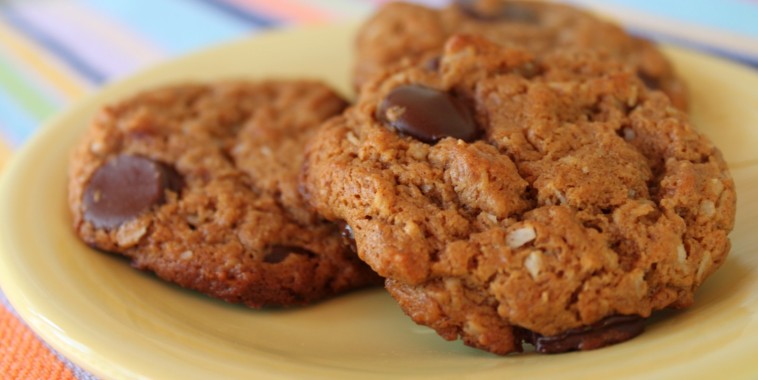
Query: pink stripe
x=292, y=12
x=429, y=3
x=66, y=23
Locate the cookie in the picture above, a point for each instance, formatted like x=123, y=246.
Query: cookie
x=510, y=198
x=413, y=32
x=198, y=184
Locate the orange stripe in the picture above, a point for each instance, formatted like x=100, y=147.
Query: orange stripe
x=62, y=82
x=24, y=356
x=286, y=10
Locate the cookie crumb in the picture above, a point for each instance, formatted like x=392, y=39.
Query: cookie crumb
x=705, y=263
x=352, y=139
x=681, y=254
x=418, y=151
x=533, y=264
x=97, y=147
x=130, y=233
x=717, y=187
x=519, y=237
x=707, y=208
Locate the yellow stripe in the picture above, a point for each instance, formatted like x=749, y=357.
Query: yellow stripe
x=5, y=154
x=40, y=63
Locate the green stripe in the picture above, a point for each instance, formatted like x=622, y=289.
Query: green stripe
x=26, y=94
x=344, y=8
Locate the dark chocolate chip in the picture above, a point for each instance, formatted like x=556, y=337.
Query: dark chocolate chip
x=611, y=330
x=650, y=81
x=501, y=12
x=433, y=64
x=126, y=186
x=347, y=236
x=528, y=70
x=277, y=253
x=427, y=114
x=519, y=13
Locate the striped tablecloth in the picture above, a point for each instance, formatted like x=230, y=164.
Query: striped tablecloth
x=53, y=52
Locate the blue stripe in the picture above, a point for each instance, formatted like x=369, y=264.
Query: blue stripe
x=709, y=49
x=15, y=125
x=739, y=17
x=176, y=26
x=70, y=58
x=239, y=13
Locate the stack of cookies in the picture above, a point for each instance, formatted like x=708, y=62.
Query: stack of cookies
x=513, y=173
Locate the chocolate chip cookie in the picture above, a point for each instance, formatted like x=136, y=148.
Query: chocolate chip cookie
x=413, y=32
x=198, y=183
x=513, y=198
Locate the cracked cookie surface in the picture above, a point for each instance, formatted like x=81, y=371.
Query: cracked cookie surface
x=413, y=32
x=198, y=184
x=584, y=196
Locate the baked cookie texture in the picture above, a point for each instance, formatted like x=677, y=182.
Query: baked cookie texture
x=198, y=183
x=402, y=31
x=580, y=196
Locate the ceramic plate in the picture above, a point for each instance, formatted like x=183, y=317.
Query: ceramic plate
x=4, y=154
x=120, y=323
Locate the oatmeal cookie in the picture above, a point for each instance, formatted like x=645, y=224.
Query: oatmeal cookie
x=413, y=32
x=198, y=183
x=511, y=198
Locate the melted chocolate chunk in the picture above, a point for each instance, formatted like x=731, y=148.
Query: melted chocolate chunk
x=126, y=186
x=649, y=81
x=277, y=253
x=528, y=70
x=433, y=64
x=519, y=13
x=427, y=114
x=347, y=236
x=611, y=330
x=500, y=12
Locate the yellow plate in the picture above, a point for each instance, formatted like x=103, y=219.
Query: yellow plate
x=120, y=323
